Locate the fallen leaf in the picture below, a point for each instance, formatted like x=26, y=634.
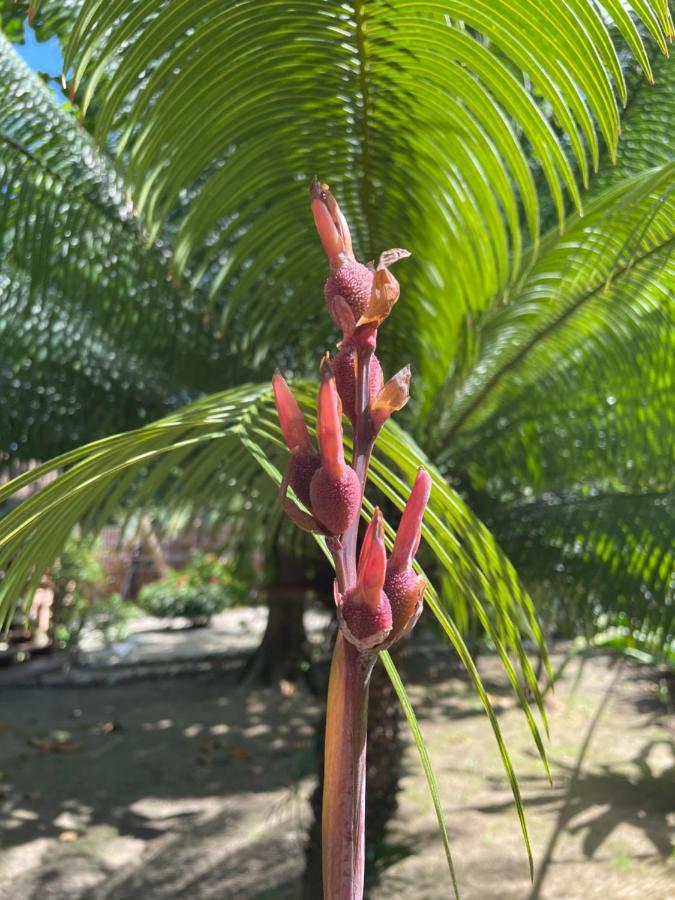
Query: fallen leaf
x=106, y=728
x=66, y=837
x=287, y=688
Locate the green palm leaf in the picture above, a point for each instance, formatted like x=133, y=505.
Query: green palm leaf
x=404, y=700
x=47, y=17
x=214, y=145
x=609, y=276
x=217, y=453
x=91, y=330
x=608, y=557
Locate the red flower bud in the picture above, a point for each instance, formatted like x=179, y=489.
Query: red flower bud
x=404, y=588
x=364, y=609
x=302, y=466
x=350, y=283
x=331, y=224
x=291, y=419
x=335, y=501
x=335, y=492
x=329, y=423
x=343, y=365
x=405, y=591
x=304, y=459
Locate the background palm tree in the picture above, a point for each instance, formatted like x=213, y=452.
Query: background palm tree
x=172, y=253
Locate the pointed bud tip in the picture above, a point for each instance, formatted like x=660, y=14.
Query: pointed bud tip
x=291, y=419
x=329, y=422
x=410, y=527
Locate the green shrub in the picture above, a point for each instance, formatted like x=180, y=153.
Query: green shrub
x=197, y=592
x=80, y=603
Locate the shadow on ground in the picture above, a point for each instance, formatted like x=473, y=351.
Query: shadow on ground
x=190, y=787
x=179, y=776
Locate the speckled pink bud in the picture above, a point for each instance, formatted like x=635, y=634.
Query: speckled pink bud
x=302, y=466
x=370, y=626
x=353, y=282
x=403, y=586
x=404, y=590
x=364, y=608
x=343, y=365
x=335, y=500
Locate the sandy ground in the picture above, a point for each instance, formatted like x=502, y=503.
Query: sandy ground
x=189, y=787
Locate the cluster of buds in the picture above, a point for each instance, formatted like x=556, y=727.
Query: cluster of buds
x=379, y=600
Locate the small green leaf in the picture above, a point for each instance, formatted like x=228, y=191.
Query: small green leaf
x=424, y=758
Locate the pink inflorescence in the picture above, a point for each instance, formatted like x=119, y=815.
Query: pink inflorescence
x=380, y=599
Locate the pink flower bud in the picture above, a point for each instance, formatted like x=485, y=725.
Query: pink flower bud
x=331, y=224
x=302, y=466
x=365, y=610
x=405, y=591
x=335, y=491
x=335, y=501
x=343, y=365
x=304, y=459
x=329, y=423
x=350, y=283
x=404, y=588
x=291, y=419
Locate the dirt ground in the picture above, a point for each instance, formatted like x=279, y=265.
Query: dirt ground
x=189, y=787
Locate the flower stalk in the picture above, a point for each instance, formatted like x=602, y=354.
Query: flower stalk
x=359, y=298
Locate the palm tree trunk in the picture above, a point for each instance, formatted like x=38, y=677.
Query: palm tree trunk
x=283, y=653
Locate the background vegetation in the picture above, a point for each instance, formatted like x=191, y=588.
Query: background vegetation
x=156, y=246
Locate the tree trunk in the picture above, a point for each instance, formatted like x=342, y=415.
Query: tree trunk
x=153, y=546
x=283, y=653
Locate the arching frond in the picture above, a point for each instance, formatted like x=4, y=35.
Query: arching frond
x=426, y=114
x=609, y=280
x=94, y=337
x=646, y=128
x=208, y=452
x=600, y=560
x=49, y=18
x=216, y=452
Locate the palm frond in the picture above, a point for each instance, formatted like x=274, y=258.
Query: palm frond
x=600, y=560
x=48, y=18
x=601, y=415
x=427, y=113
x=646, y=140
x=587, y=295
x=225, y=451
x=189, y=459
x=89, y=322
